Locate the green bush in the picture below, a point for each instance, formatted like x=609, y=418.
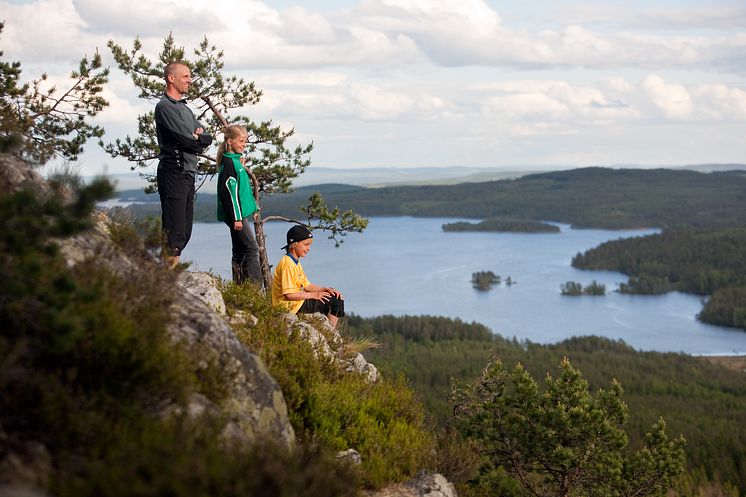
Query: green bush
x=289, y=357
x=81, y=343
x=337, y=409
x=183, y=458
x=382, y=421
x=704, y=402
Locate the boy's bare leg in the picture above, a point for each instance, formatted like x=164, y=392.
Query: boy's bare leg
x=171, y=261
x=332, y=320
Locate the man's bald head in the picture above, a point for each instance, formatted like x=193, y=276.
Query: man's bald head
x=178, y=79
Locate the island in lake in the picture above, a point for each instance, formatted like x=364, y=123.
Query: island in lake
x=497, y=224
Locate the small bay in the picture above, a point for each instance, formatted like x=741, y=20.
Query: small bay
x=404, y=265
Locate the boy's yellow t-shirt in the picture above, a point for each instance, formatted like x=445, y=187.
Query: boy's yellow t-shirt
x=289, y=278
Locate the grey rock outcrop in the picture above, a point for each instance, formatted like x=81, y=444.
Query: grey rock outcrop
x=361, y=365
x=351, y=456
x=328, y=343
x=315, y=328
x=254, y=406
x=205, y=287
x=15, y=174
x=424, y=485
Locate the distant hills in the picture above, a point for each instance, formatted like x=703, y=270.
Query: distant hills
x=588, y=197
x=394, y=176
x=371, y=177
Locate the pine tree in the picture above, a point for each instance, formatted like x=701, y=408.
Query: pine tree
x=218, y=100
x=564, y=441
x=42, y=121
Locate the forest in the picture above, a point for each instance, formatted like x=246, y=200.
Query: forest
x=704, y=402
x=585, y=198
x=701, y=262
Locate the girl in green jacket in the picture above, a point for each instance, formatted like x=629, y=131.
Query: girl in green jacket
x=236, y=205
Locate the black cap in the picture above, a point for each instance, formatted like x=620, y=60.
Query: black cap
x=297, y=233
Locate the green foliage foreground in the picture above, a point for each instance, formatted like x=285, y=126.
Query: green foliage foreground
x=85, y=361
x=563, y=441
x=329, y=406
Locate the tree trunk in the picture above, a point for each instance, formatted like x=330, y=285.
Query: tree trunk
x=260, y=238
x=263, y=258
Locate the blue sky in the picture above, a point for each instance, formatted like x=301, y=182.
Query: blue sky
x=413, y=83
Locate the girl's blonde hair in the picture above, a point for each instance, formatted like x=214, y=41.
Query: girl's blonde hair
x=231, y=131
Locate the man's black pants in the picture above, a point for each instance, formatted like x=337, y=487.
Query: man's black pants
x=176, y=189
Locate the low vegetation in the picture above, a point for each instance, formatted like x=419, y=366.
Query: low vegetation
x=86, y=354
x=334, y=408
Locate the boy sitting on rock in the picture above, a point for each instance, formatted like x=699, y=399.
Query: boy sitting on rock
x=292, y=289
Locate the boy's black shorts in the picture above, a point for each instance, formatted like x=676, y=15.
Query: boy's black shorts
x=334, y=306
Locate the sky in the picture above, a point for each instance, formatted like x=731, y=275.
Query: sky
x=436, y=83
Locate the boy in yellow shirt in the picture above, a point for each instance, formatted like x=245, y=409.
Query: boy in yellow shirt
x=292, y=289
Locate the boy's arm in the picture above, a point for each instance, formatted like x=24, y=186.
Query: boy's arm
x=321, y=293
x=310, y=291
x=302, y=295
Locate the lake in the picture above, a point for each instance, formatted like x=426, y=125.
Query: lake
x=404, y=265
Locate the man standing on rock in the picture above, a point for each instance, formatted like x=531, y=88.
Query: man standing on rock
x=180, y=138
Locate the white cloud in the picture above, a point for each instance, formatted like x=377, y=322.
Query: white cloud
x=618, y=85
x=123, y=104
x=541, y=128
x=456, y=76
x=557, y=100
x=299, y=26
x=374, y=32
x=673, y=100
x=329, y=96
x=146, y=19
x=712, y=16
x=278, y=40
x=717, y=102
x=453, y=33
x=31, y=32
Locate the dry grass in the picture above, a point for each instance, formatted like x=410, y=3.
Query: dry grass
x=734, y=363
